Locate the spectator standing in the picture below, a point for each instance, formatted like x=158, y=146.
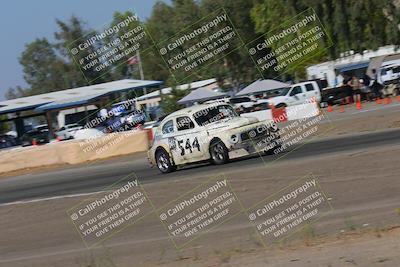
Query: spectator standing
x=348, y=91
x=356, y=86
x=375, y=86
x=365, y=86
x=374, y=75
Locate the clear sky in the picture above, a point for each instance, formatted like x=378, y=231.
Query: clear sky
x=22, y=21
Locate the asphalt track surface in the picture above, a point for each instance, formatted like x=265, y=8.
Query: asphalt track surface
x=95, y=177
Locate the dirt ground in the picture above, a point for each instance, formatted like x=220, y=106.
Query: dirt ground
x=371, y=118
x=355, y=233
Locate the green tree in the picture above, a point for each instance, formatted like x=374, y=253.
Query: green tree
x=14, y=92
x=69, y=35
x=149, y=59
x=351, y=25
x=186, y=12
x=169, y=102
x=236, y=67
x=49, y=67
x=165, y=22
x=4, y=126
x=41, y=67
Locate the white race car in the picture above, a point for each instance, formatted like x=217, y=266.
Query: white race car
x=209, y=132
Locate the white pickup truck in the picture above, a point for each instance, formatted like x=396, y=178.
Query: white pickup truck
x=296, y=94
x=389, y=72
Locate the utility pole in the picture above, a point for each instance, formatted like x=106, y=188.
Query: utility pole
x=141, y=70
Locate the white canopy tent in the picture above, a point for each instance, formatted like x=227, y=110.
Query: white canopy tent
x=261, y=86
x=166, y=91
x=201, y=95
x=73, y=96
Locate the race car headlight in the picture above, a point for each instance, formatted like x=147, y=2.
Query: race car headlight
x=234, y=139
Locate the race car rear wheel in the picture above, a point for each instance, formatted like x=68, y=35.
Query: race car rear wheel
x=218, y=152
x=163, y=161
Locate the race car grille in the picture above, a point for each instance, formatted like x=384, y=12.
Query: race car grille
x=254, y=133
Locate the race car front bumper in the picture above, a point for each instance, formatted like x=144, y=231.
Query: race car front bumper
x=258, y=144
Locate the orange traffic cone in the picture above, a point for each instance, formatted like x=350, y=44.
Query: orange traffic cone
x=58, y=139
x=358, y=105
x=34, y=143
x=387, y=100
x=341, y=110
x=378, y=100
x=330, y=109
x=398, y=98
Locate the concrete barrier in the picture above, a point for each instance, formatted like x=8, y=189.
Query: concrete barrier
x=74, y=151
x=306, y=110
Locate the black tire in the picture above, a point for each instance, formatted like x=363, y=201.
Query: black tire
x=164, y=163
x=218, y=152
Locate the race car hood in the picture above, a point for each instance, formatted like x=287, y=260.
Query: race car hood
x=232, y=123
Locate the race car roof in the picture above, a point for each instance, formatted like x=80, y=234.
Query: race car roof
x=193, y=109
x=73, y=96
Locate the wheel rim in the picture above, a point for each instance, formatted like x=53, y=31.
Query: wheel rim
x=162, y=162
x=218, y=152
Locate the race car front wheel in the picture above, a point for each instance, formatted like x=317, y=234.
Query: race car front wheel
x=164, y=163
x=218, y=152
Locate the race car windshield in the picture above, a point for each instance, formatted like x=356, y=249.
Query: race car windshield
x=214, y=114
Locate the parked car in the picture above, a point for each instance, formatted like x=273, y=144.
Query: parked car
x=28, y=127
x=41, y=137
x=68, y=131
x=42, y=127
x=261, y=106
x=209, y=132
x=392, y=88
x=7, y=141
x=90, y=133
x=389, y=73
x=135, y=118
x=333, y=95
x=242, y=103
x=297, y=94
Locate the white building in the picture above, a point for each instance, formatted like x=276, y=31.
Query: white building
x=349, y=61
